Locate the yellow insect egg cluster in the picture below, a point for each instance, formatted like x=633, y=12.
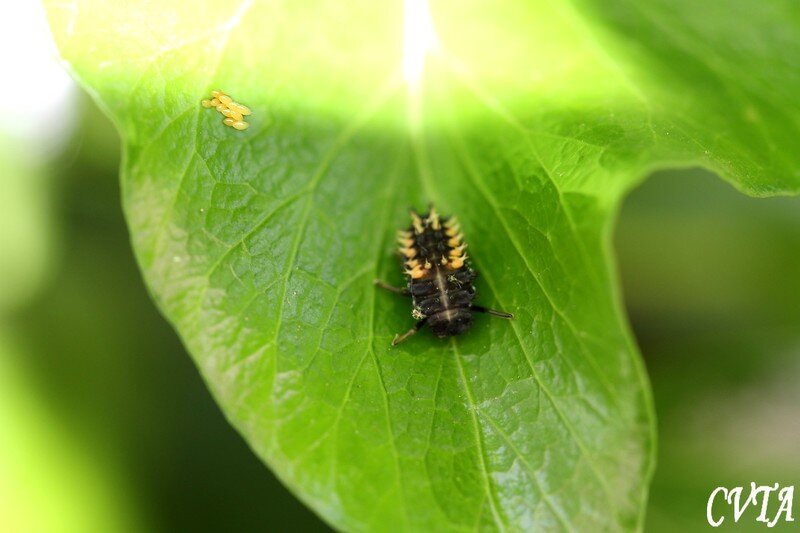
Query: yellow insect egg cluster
x=234, y=112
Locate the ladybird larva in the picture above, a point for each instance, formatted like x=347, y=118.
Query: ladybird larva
x=439, y=278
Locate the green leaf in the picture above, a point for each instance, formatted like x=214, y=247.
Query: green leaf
x=533, y=121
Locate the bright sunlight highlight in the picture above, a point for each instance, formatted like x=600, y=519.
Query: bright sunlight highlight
x=33, y=73
x=419, y=38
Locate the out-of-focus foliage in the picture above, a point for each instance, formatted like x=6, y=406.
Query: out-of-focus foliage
x=711, y=285
x=26, y=239
x=51, y=481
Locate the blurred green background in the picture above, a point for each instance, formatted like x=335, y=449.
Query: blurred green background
x=105, y=425
x=711, y=285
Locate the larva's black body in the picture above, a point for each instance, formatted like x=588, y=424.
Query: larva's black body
x=439, y=278
x=445, y=300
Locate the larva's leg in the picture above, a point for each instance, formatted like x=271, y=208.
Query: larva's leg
x=398, y=290
x=494, y=312
x=400, y=338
